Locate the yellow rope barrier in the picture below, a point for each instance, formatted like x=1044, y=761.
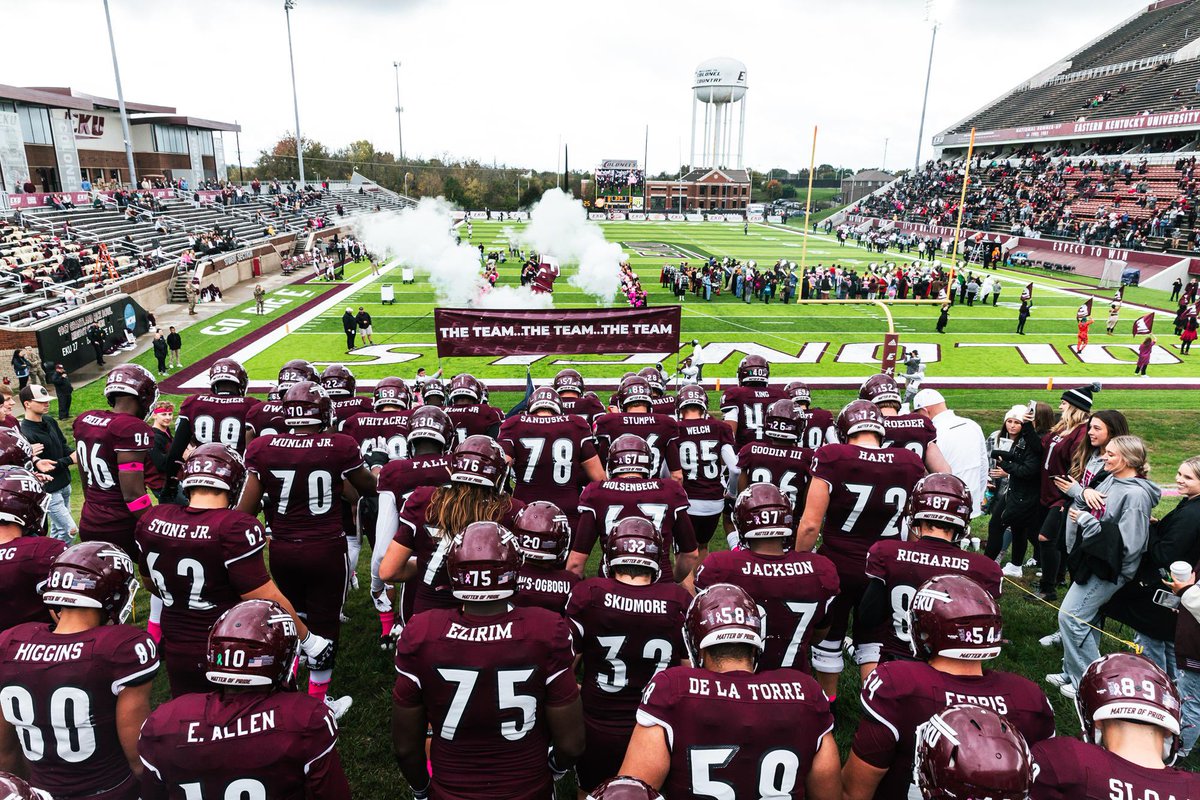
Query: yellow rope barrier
x=1134, y=646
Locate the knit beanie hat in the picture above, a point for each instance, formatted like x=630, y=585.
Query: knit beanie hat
x=1081, y=398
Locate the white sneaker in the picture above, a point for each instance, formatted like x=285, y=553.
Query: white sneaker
x=1068, y=691
x=1053, y=640
x=339, y=706
x=343, y=618
x=1059, y=679
x=1011, y=570
x=1031, y=562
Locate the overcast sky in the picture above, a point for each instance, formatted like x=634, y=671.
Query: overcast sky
x=503, y=80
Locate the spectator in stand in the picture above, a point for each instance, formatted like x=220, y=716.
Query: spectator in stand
x=56, y=458
x=174, y=344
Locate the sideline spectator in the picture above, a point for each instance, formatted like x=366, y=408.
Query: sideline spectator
x=175, y=344
x=260, y=296
x=160, y=352
x=193, y=292
x=961, y=442
x=62, y=388
x=161, y=467
x=7, y=420
x=95, y=338
x=363, y=320
x=350, y=326
x=20, y=365
x=56, y=458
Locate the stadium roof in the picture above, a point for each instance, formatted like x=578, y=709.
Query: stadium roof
x=191, y=122
x=103, y=102
x=43, y=98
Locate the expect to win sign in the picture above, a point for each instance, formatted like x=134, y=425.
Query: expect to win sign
x=499, y=332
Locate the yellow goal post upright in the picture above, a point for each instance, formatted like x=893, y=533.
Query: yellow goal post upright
x=891, y=339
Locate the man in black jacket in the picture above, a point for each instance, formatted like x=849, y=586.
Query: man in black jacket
x=160, y=352
x=174, y=344
x=56, y=458
x=62, y=388
x=350, y=326
x=95, y=338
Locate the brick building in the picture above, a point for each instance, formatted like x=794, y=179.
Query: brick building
x=701, y=190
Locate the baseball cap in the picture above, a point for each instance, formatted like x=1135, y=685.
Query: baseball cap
x=33, y=391
x=926, y=398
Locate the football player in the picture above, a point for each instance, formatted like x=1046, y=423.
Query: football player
x=432, y=515
x=569, y=385
x=267, y=418
x=552, y=453
x=493, y=680
x=433, y=393
x=632, y=491
x=627, y=628
x=430, y=440
x=201, y=559
x=793, y=589
x=659, y=431
x=218, y=415
x=971, y=751
x=76, y=692
x=340, y=384
x=780, y=458
x=1130, y=712
x=298, y=479
x=543, y=534
x=248, y=737
x=717, y=728
x=955, y=626
x=857, y=496
x=471, y=415
x=624, y=787
x=817, y=426
x=938, y=519
x=660, y=401
x=381, y=432
x=911, y=431
x=706, y=455
x=26, y=553
x=744, y=405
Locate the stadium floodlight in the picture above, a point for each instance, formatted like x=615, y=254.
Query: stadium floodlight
x=399, y=111
x=288, y=5
x=112, y=44
x=934, y=11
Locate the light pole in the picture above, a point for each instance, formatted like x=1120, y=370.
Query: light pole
x=237, y=137
x=288, y=5
x=932, y=17
x=112, y=44
x=399, y=111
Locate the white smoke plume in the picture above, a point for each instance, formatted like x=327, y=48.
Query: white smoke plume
x=558, y=226
x=423, y=238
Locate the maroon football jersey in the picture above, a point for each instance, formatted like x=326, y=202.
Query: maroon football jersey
x=99, y=437
x=248, y=745
x=302, y=477
x=346, y=407
x=1069, y=769
x=201, y=562
x=663, y=405
x=218, y=418
x=484, y=682
x=603, y=503
x=868, y=492
x=785, y=466
x=793, y=590
x=899, y=696
x=819, y=428
x=430, y=546
x=544, y=588
x=748, y=405
x=904, y=566
x=626, y=635
x=400, y=478
x=474, y=420
x=266, y=418
x=584, y=406
x=660, y=432
x=377, y=431
x=24, y=564
x=910, y=431
x=547, y=457
x=701, y=444
x=742, y=734
x=60, y=693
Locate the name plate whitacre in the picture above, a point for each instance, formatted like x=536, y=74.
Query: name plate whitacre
x=502, y=332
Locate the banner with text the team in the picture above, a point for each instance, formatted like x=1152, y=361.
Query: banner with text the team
x=514, y=332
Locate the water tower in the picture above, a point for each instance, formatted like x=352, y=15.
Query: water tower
x=720, y=84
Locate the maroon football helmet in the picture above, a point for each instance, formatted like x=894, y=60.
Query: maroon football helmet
x=214, y=466
x=15, y=450
x=955, y=617
x=1130, y=687
x=629, y=453
x=23, y=499
x=762, y=512
x=753, y=370
x=941, y=498
x=799, y=391
x=229, y=372
x=293, y=372
x=252, y=644
x=691, y=396
x=857, y=416
x=93, y=575
x=568, y=380
x=338, y=381
x=623, y=787
x=634, y=390
x=633, y=542
x=430, y=422
x=545, y=398
x=543, y=531
x=783, y=421
x=971, y=751
x=135, y=380
x=307, y=403
x=14, y=788
x=722, y=614
x=433, y=393
x=392, y=392
x=880, y=388
x=483, y=563
x=465, y=386
x=654, y=378
x=479, y=461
